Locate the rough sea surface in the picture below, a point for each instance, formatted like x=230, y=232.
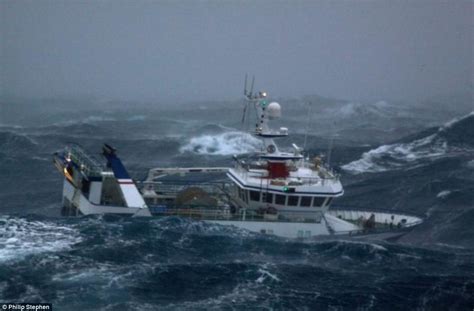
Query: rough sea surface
x=390, y=157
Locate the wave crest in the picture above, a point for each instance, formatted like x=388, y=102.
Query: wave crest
x=21, y=237
x=227, y=143
x=390, y=157
x=454, y=136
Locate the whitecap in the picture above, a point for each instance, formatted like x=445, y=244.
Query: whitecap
x=443, y=194
x=20, y=237
x=390, y=157
x=228, y=143
x=266, y=275
x=452, y=122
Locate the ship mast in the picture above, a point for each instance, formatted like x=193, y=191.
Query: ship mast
x=267, y=111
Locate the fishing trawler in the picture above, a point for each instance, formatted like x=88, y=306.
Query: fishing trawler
x=271, y=191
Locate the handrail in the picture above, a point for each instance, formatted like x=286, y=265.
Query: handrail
x=308, y=180
x=376, y=230
x=375, y=210
x=88, y=163
x=223, y=212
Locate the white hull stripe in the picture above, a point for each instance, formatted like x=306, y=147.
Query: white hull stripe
x=125, y=181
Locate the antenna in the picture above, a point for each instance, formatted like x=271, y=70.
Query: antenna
x=331, y=142
x=251, y=86
x=245, y=86
x=247, y=95
x=243, y=115
x=307, y=126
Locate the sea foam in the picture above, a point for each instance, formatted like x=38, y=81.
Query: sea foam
x=227, y=143
x=389, y=157
x=20, y=237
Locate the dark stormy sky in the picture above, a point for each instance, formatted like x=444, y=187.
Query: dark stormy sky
x=201, y=49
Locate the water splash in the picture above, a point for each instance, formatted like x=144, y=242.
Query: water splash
x=227, y=143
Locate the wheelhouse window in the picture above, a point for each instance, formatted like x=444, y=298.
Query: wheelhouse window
x=329, y=201
x=267, y=197
x=318, y=201
x=280, y=199
x=305, y=201
x=293, y=200
x=255, y=196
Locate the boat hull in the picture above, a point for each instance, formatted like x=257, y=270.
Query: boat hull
x=75, y=203
x=286, y=230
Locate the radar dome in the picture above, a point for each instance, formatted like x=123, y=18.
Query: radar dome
x=274, y=110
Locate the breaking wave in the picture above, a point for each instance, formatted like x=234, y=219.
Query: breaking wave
x=377, y=109
x=20, y=237
x=454, y=136
x=227, y=143
x=443, y=194
x=389, y=157
x=456, y=121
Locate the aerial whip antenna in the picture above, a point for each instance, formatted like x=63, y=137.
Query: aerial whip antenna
x=251, y=86
x=248, y=96
x=245, y=85
x=331, y=143
x=307, y=126
x=243, y=115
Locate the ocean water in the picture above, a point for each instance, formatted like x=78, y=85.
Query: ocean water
x=412, y=163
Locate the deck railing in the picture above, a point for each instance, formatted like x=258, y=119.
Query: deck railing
x=173, y=187
x=88, y=164
x=325, y=174
x=225, y=213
